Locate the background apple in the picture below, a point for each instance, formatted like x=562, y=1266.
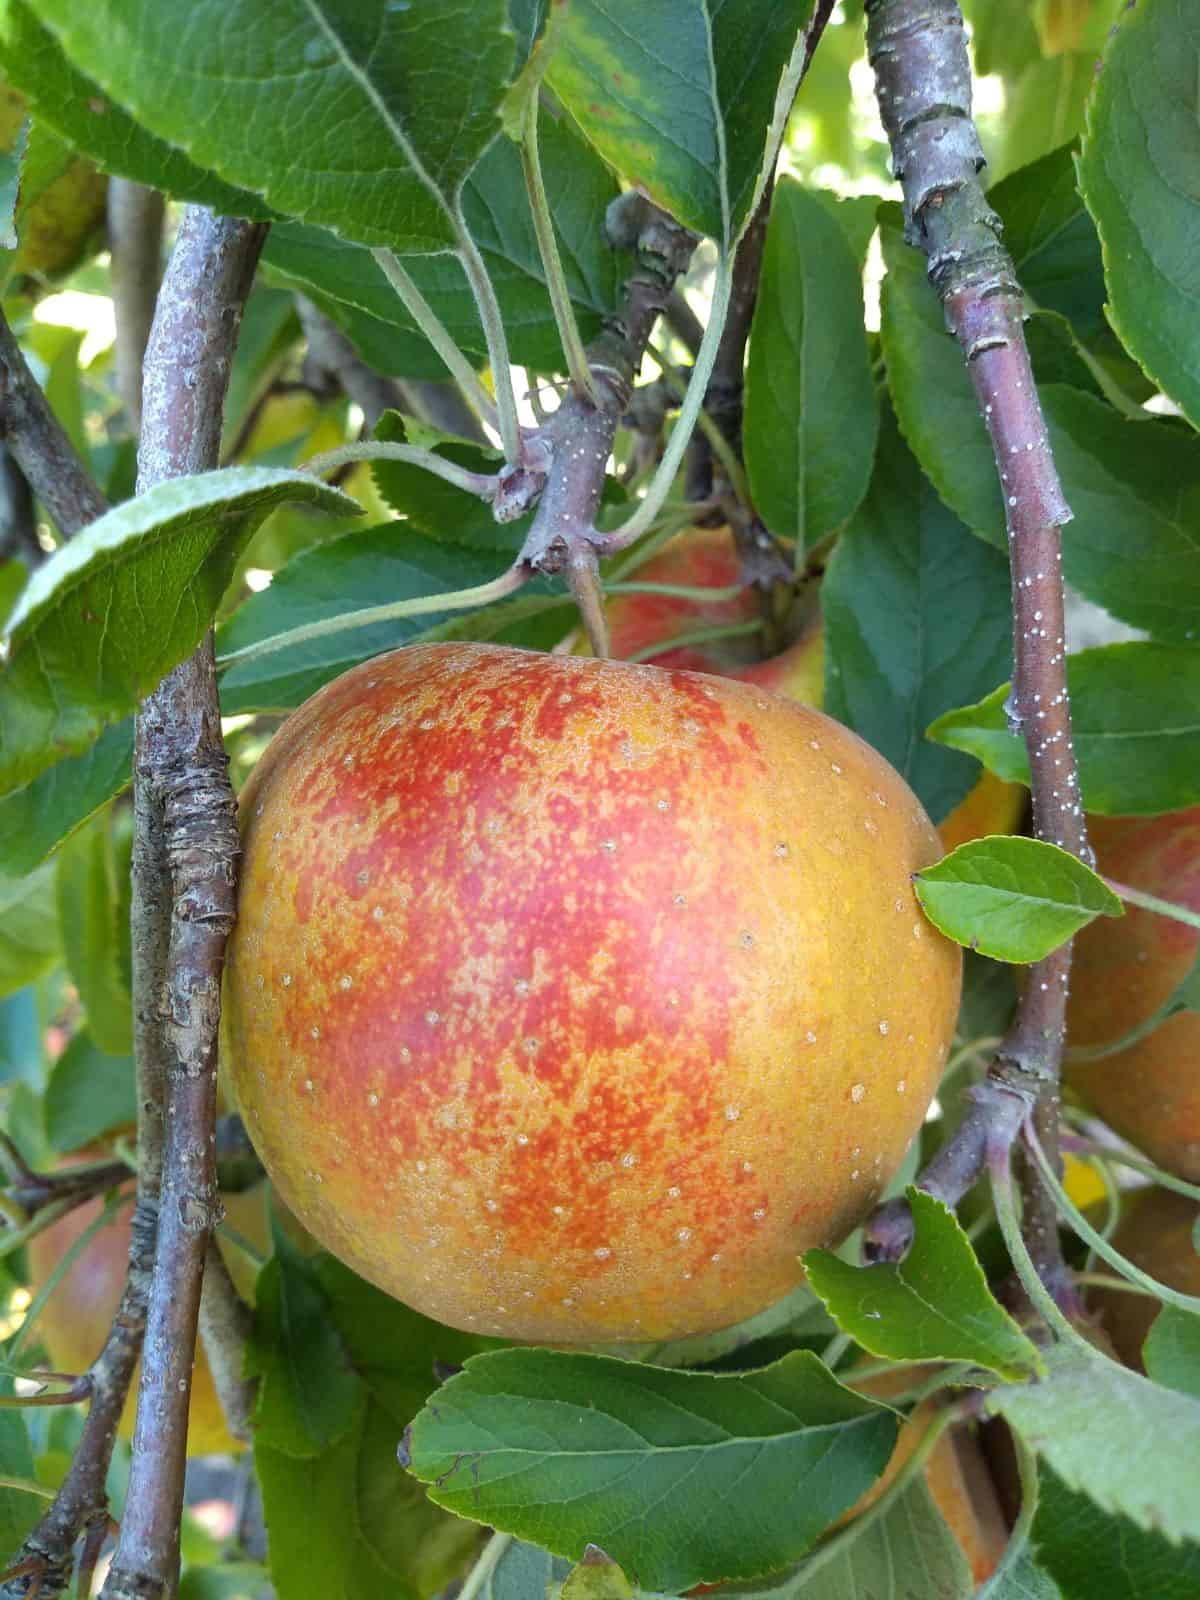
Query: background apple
x=570, y=1000
x=78, y=1314
x=1156, y=1233
x=706, y=558
x=1124, y=969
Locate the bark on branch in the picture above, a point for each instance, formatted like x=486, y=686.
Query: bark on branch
x=186, y=851
x=37, y=442
x=923, y=85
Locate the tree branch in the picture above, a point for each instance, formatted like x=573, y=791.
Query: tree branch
x=923, y=85
x=183, y=801
x=334, y=357
x=37, y=443
x=135, y=234
x=578, y=437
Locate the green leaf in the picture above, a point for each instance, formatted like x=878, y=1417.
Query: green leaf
x=934, y=1305
x=1111, y=1434
x=1077, y=1541
x=223, y=1580
x=352, y=288
x=1136, y=729
x=1134, y=486
x=909, y=1553
x=13, y=578
x=1053, y=241
x=1012, y=899
x=37, y=818
x=394, y=1349
x=18, y=1510
x=812, y=415
x=1137, y=172
x=346, y=1520
x=438, y=510
x=682, y=1477
x=101, y=622
x=1003, y=36
x=90, y=1093
x=915, y=609
x=420, y=90
x=308, y=1394
x=352, y=572
x=315, y=1546
x=29, y=931
x=72, y=103
x=88, y=908
x=1171, y=1352
x=681, y=104
x=1045, y=107
x=409, y=1536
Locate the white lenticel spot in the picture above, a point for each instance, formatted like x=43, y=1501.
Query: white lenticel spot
x=377, y=913
x=684, y=1235
x=901, y=1085
x=286, y=980
x=372, y=1098
x=522, y=1138
x=346, y=981
x=602, y=1252
x=858, y=1093
x=810, y=1037
x=883, y=1026
x=629, y=1159
x=433, y=1018
x=759, y=1213
x=673, y=1192
x=732, y=1113
x=308, y=1086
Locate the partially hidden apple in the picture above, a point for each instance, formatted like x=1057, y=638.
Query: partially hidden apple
x=1156, y=1233
x=956, y=1472
x=77, y=1316
x=569, y=1000
x=706, y=558
x=1124, y=969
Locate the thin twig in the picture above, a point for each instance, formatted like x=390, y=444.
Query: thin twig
x=182, y=793
x=332, y=358
x=579, y=435
x=225, y=1325
x=923, y=85
x=38, y=444
x=135, y=235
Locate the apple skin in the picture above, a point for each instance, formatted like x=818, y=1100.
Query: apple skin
x=956, y=1473
x=570, y=1000
x=705, y=557
x=1155, y=1232
x=1124, y=968
x=79, y=1312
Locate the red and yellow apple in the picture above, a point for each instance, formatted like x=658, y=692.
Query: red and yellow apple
x=1123, y=971
x=79, y=1312
x=1155, y=1233
x=706, y=558
x=570, y=1000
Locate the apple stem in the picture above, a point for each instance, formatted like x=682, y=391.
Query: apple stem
x=923, y=86
x=583, y=579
